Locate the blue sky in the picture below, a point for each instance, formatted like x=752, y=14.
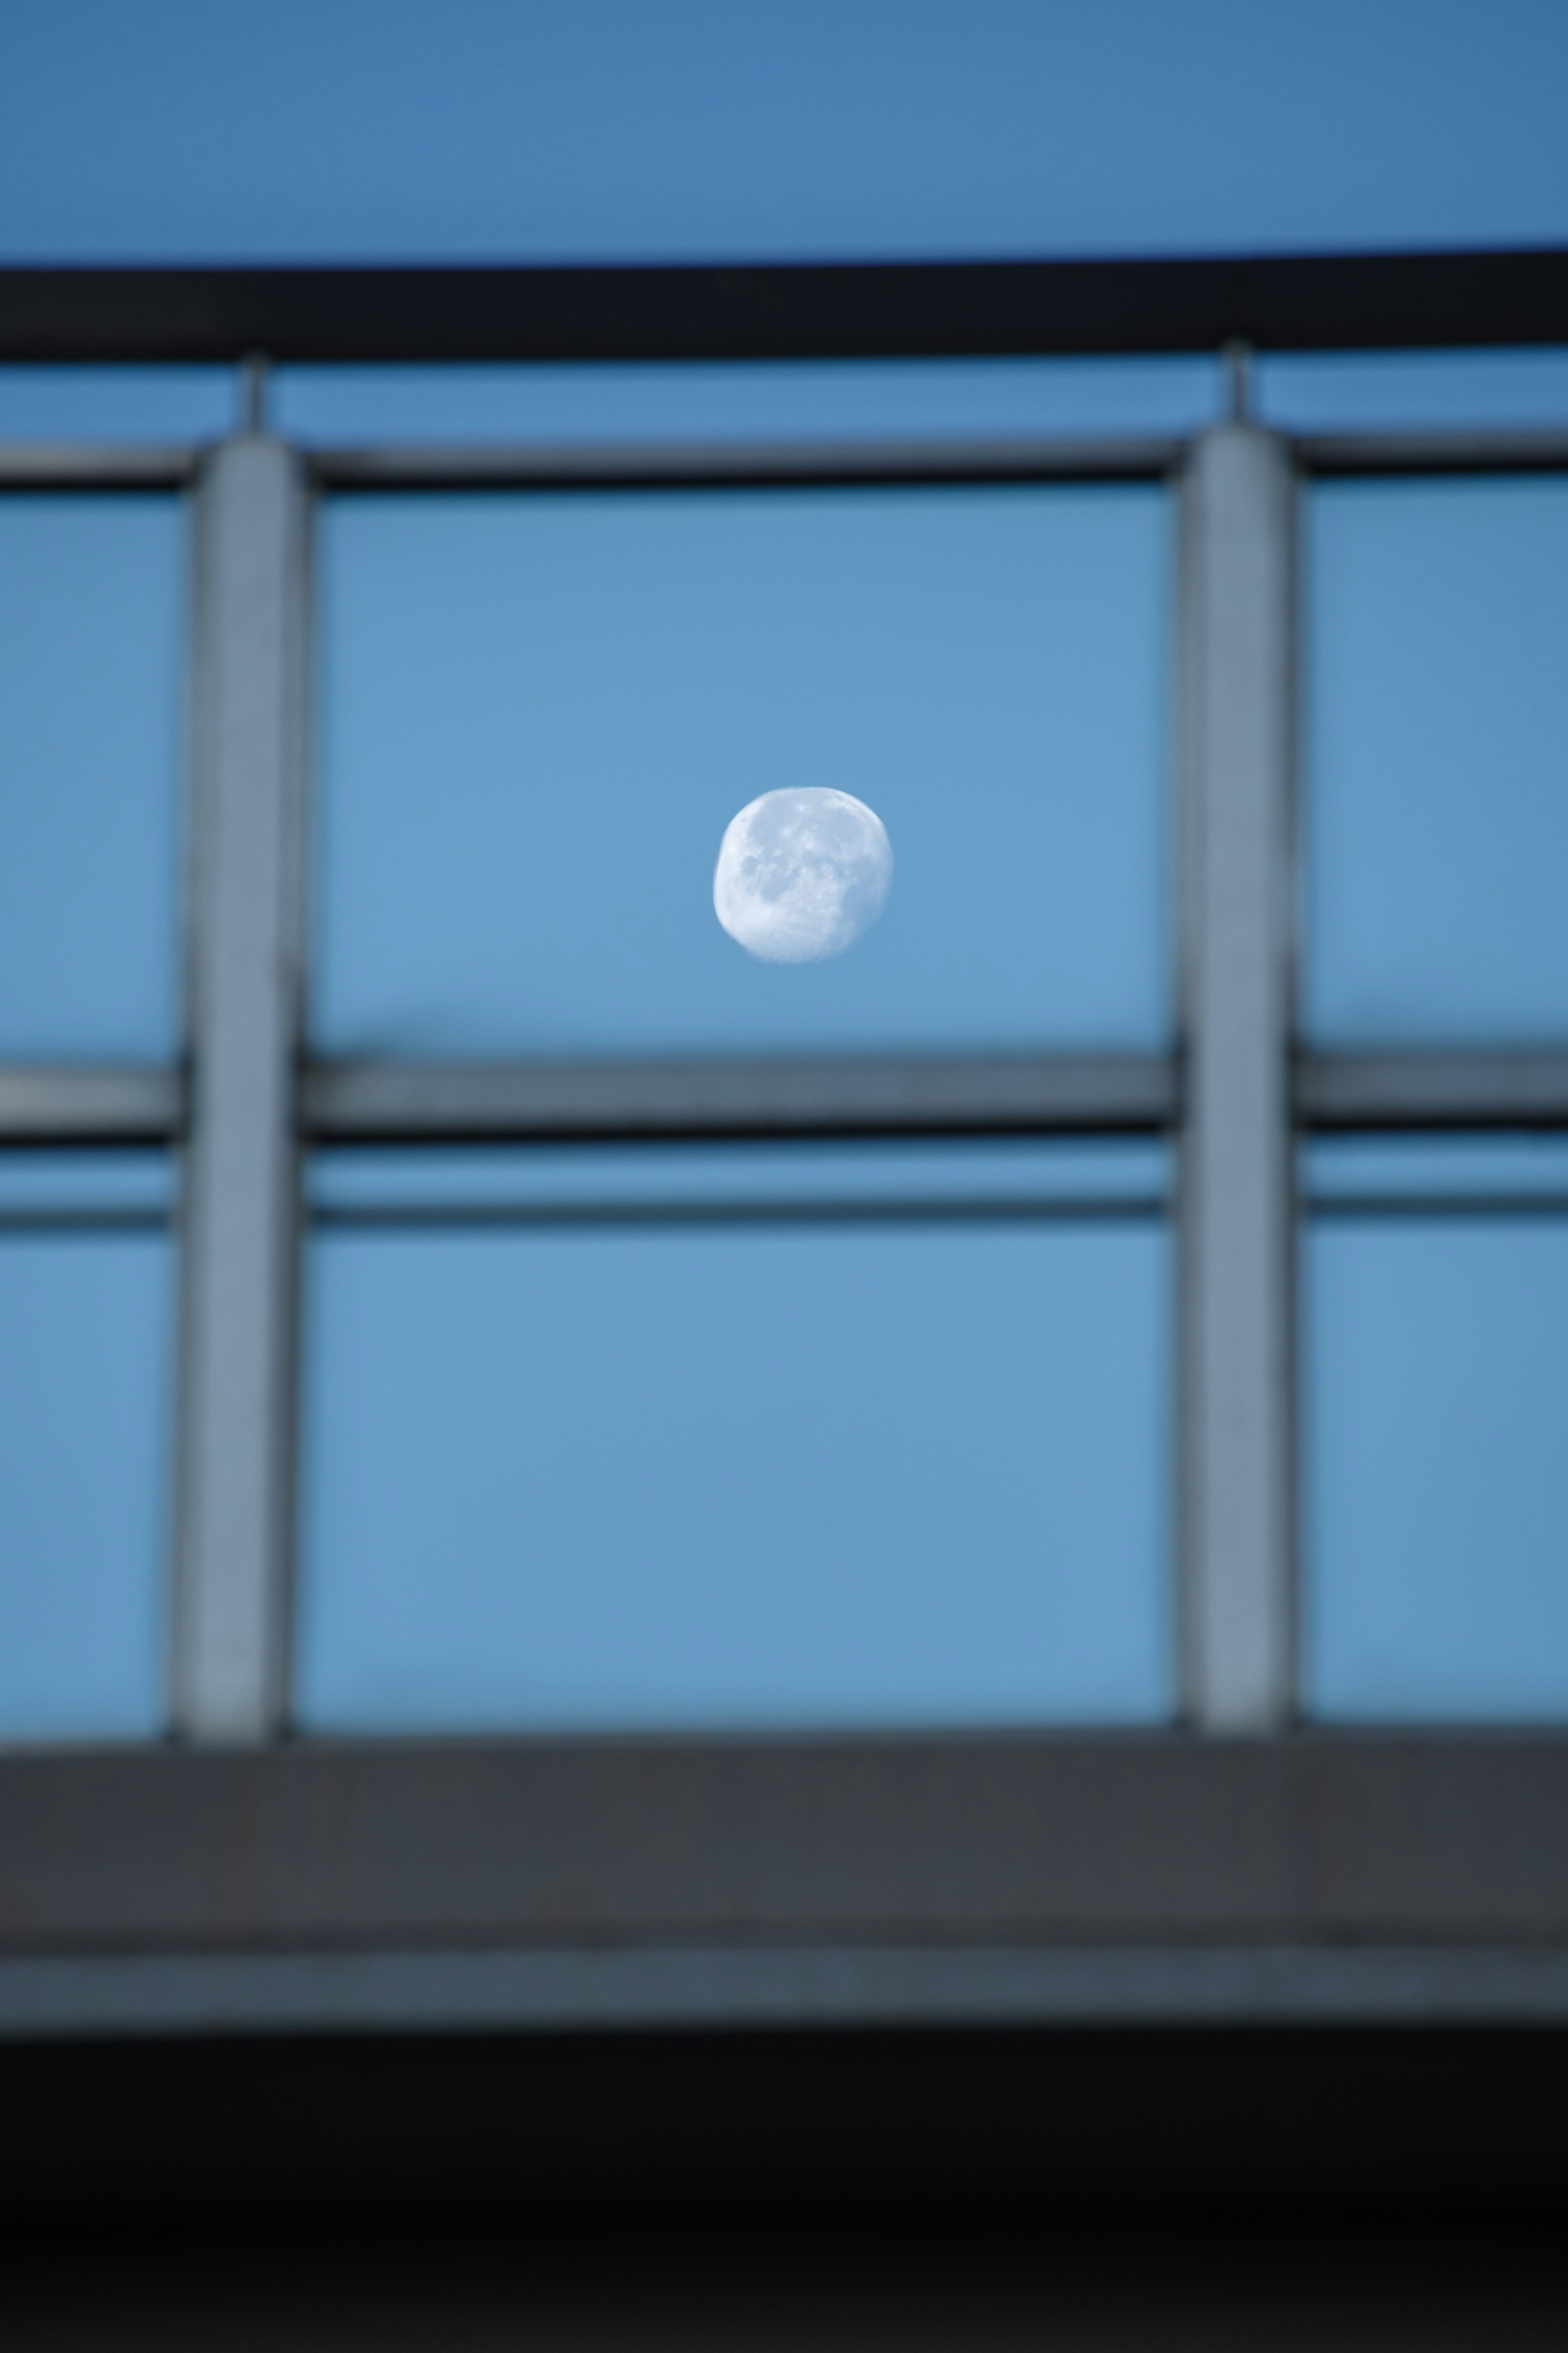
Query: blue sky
x=495, y=128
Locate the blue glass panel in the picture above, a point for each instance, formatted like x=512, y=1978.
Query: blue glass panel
x=792, y=400
x=802, y=1475
x=86, y=1183
x=1356, y=392
x=1420, y=1168
x=542, y=713
x=1437, y=758
x=1436, y=1492
x=158, y=405
x=84, y=1379
x=1009, y=1172
x=92, y=616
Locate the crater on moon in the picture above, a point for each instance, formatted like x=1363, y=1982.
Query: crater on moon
x=802, y=874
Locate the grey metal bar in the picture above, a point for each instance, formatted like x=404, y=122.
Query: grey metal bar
x=1235, y=1252
x=346, y=1102
x=28, y=465
x=588, y=465
x=71, y=466
x=1432, y=1090
x=714, y=1985
x=56, y=1103
x=1475, y=451
x=228, y=1636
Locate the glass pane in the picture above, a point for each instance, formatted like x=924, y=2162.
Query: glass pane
x=91, y=598
x=1437, y=760
x=777, y=1470
x=947, y=1173
x=82, y=403
x=84, y=1379
x=1436, y=1395
x=1368, y=392
x=1389, y=1172
x=54, y=1187
x=542, y=713
x=747, y=401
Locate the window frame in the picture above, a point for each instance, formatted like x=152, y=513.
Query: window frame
x=1169, y=1874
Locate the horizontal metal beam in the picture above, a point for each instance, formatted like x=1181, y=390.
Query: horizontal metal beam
x=53, y=1104
x=633, y=1988
x=1133, y=1840
x=725, y=312
x=1522, y=452
x=746, y=464
x=65, y=465
x=1432, y=1090
x=375, y=1102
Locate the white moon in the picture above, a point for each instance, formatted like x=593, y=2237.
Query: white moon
x=802, y=874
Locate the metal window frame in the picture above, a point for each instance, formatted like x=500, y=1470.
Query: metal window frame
x=963, y=1878
x=1302, y=301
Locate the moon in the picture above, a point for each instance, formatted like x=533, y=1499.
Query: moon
x=802, y=874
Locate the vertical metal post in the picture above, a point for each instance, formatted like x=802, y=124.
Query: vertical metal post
x=1235, y=1241
x=229, y=1635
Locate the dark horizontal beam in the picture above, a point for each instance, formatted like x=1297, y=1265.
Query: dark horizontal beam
x=729, y=312
x=348, y=1102
x=390, y=1101
x=65, y=466
x=746, y=465
x=731, y=464
x=1143, y=1841
x=749, y=464
x=975, y=1209
x=1472, y=452
x=1458, y=1090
